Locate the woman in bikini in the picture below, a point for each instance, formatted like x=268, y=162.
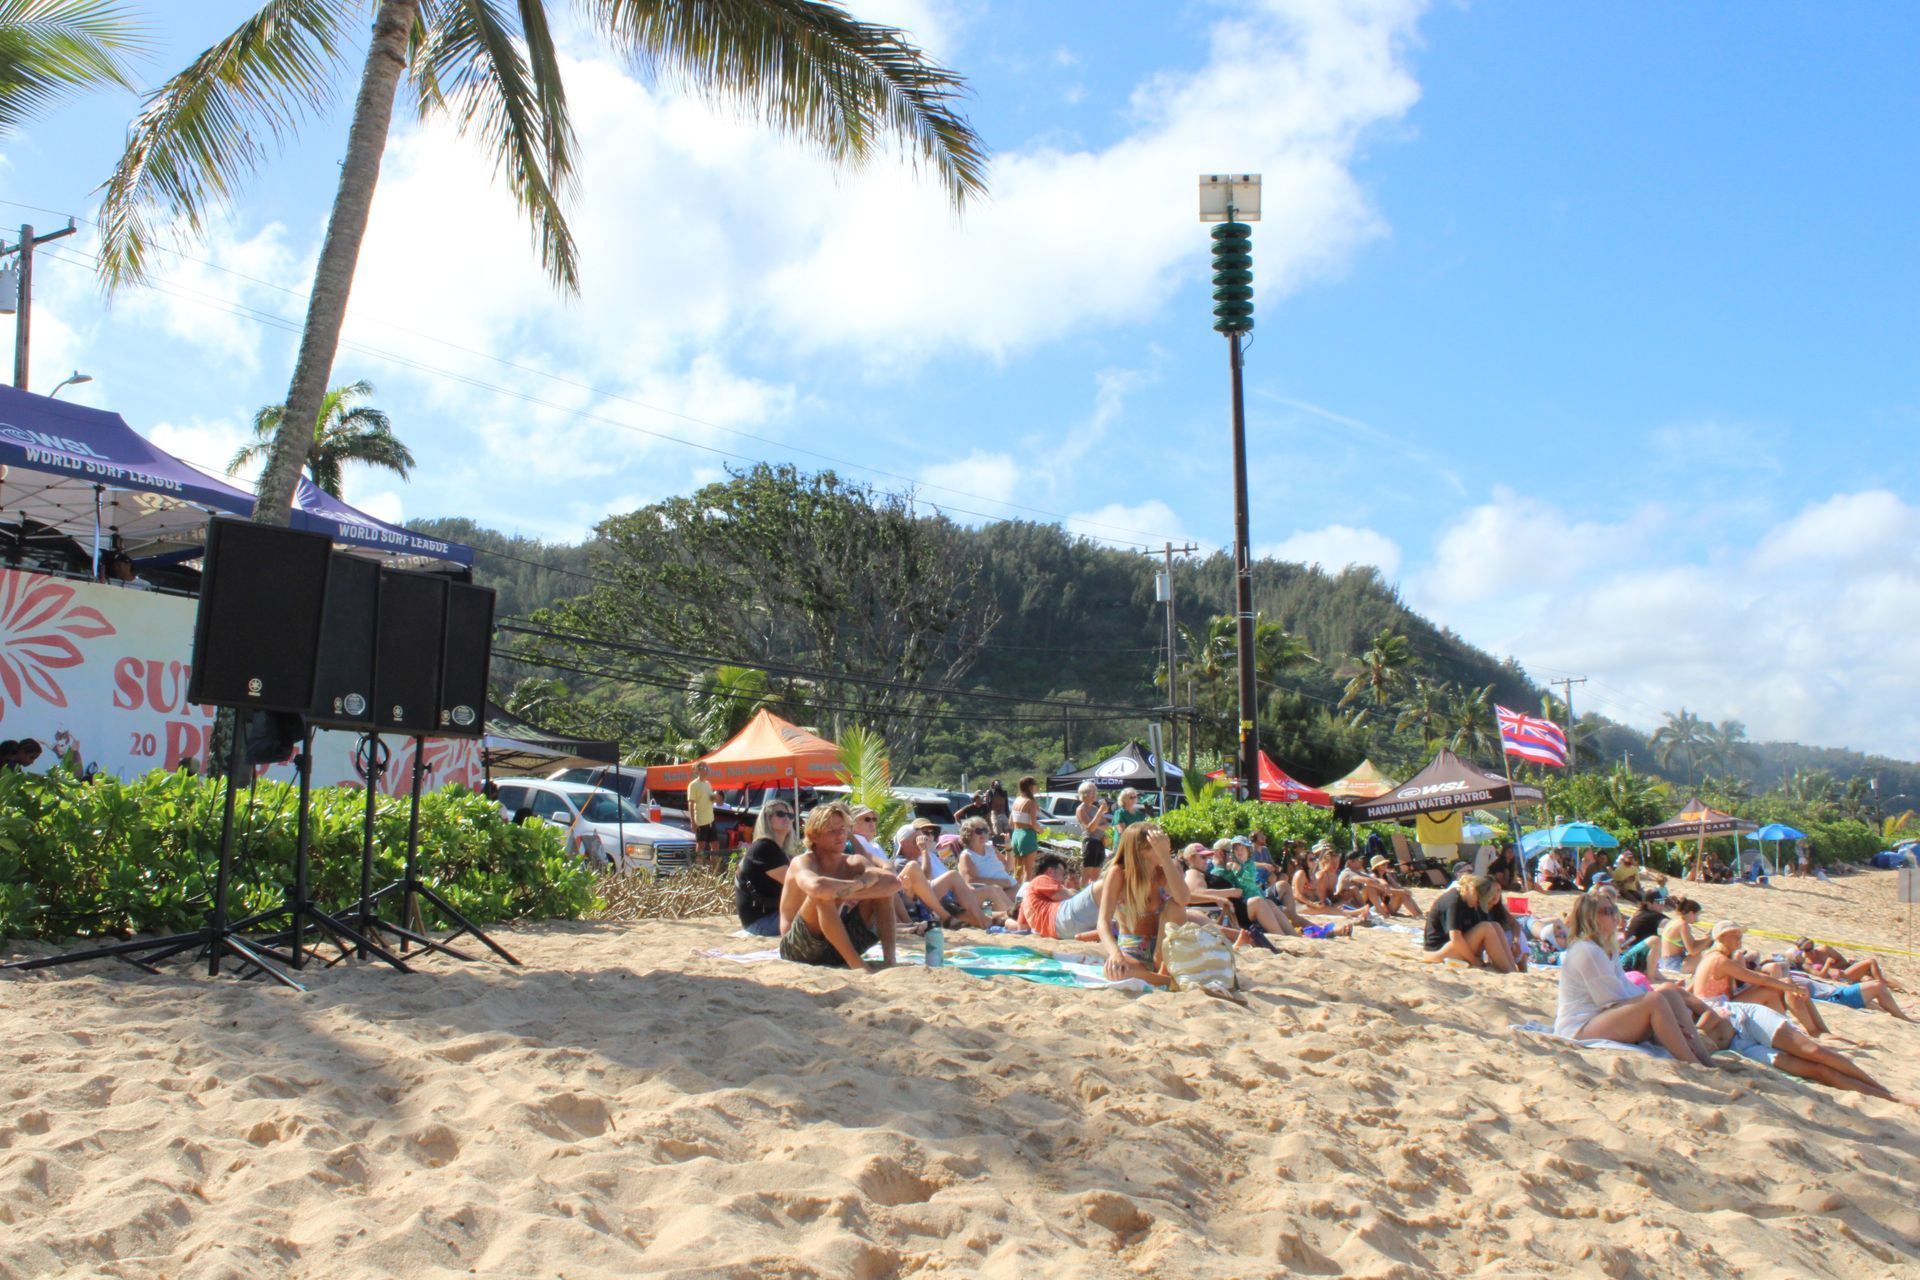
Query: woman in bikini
x=1026, y=826
x=1726, y=973
x=1680, y=947
x=1140, y=883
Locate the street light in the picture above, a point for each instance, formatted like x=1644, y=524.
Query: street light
x=1231, y=201
x=73, y=379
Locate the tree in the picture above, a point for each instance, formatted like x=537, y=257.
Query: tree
x=1376, y=675
x=1683, y=734
x=52, y=48
x=1471, y=729
x=847, y=585
x=805, y=66
x=1726, y=744
x=1425, y=713
x=346, y=431
x=868, y=775
x=722, y=701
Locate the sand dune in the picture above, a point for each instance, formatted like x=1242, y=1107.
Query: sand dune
x=626, y=1106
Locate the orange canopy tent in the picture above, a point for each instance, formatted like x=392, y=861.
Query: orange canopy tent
x=1277, y=786
x=1364, y=783
x=768, y=752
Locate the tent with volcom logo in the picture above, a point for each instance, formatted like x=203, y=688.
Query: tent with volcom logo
x=1131, y=766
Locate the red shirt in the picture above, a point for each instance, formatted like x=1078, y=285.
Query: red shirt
x=1042, y=903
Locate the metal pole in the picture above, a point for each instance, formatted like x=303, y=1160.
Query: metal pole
x=1173, y=660
x=1243, y=585
x=23, y=318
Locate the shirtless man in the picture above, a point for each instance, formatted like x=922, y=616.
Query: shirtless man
x=834, y=904
x=1827, y=964
x=1757, y=1032
x=1313, y=889
x=1356, y=888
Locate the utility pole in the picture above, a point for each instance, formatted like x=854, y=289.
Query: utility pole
x=23, y=304
x=1566, y=688
x=1164, y=589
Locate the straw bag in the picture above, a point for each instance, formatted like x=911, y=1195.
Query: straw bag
x=1199, y=958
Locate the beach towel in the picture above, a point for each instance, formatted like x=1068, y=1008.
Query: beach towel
x=1027, y=964
x=1546, y=1030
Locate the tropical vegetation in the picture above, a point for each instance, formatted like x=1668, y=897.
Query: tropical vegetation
x=346, y=431
x=52, y=49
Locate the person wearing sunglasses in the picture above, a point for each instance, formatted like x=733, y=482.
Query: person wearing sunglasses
x=763, y=870
x=1598, y=1003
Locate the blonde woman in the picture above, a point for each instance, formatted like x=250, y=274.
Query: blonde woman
x=1598, y=1003
x=1092, y=815
x=762, y=872
x=1139, y=883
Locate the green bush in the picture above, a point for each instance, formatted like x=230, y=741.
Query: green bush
x=108, y=857
x=1217, y=818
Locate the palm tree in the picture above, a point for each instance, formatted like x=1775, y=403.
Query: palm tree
x=722, y=700
x=1727, y=743
x=1426, y=711
x=807, y=67
x=868, y=774
x=345, y=432
x=1683, y=734
x=1471, y=729
x=51, y=48
x=1377, y=674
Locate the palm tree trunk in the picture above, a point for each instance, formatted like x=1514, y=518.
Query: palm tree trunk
x=339, y=254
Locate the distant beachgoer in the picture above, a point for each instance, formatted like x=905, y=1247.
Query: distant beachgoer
x=977, y=807
x=1314, y=883
x=1210, y=881
x=1134, y=895
x=700, y=800
x=1727, y=973
x=1094, y=819
x=1461, y=925
x=999, y=808
x=1597, y=1002
x=1592, y=861
x=1626, y=875
x=1053, y=910
x=1765, y=1036
x=930, y=881
x=1800, y=857
x=762, y=874
x=836, y=904
x=1551, y=875
x=1127, y=810
x=1025, y=817
x=1505, y=869
x=1826, y=962
x=1364, y=889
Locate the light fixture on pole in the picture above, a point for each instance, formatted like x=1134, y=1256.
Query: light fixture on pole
x=73, y=379
x=1232, y=200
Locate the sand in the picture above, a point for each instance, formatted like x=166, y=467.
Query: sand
x=623, y=1105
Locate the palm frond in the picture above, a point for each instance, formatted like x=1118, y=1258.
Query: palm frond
x=812, y=70
x=50, y=48
x=468, y=66
x=868, y=774
x=199, y=134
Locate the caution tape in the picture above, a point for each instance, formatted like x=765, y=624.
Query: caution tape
x=1837, y=942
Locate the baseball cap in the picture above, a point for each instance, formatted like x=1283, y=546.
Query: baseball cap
x=1243, y=840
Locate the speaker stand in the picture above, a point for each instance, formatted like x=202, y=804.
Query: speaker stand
x=217, y=938
x=410, y=888
x=290, y=944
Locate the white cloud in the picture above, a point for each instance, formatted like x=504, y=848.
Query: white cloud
x=385, y=505
x=1337, y=546
x=206, y=443
x=1145, y=524
x=1800, y=635
x=964, y=482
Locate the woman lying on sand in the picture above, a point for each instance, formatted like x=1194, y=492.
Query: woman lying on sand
x=1134, y=895
x=1826, y=963
x=1757, y=1032
x=1598, y=1003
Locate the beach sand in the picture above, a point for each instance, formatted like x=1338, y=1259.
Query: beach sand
x=624, y=1105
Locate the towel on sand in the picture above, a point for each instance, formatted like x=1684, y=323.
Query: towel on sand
x=1546, y=1029
x=985, y=962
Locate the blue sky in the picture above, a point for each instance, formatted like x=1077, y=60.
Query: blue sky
x=1591, y=325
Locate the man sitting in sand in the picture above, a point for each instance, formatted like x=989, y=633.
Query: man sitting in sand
x=1357, y=888
x=1551, y=874
x=834, y=904
x=1051, y=908
x=1461, y=926
x=931, y=881
x=1626, y=875
x=1210, y=882
x=1759, y=1033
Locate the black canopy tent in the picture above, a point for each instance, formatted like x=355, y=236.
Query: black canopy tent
x=1696, y=821
x=1131, y=766
x=1447, y=784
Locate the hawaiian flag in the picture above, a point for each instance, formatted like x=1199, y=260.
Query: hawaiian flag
x=1540, y=741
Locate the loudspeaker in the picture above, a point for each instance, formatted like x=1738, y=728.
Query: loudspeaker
x=466, y=660
x=407, y=652
x=343, y=684
x=257, y=631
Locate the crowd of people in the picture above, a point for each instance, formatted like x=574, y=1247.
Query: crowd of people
x=830, y=889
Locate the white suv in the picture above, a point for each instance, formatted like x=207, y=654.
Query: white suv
x=597, y=822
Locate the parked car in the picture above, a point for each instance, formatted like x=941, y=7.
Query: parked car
x=1057, y=809
x=597, y=821
x=669, y=809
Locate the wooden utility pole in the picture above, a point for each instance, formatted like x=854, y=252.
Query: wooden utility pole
x=23, y=303
x=1566, y=688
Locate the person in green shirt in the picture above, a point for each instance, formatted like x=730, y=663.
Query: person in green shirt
x=1128, y=813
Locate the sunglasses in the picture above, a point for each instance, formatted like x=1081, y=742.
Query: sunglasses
x=778, y=813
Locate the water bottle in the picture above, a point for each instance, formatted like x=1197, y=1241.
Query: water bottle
x=936, y=947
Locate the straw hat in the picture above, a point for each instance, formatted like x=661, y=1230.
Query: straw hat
x=1726, y=927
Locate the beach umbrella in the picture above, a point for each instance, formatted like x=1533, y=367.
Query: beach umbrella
x=1568, y=835
x=1477, y=831
x=1777, y=831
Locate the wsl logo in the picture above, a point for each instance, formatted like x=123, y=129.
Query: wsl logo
x=27, y=439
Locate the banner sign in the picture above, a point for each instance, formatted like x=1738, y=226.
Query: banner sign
x=101, y=670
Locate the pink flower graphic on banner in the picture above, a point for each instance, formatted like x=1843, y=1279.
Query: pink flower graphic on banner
x=446, y=760
x=39, y=623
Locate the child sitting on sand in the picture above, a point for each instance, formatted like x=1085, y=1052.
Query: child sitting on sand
x=1140, y=882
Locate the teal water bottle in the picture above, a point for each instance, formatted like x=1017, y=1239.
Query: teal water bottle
x=936, y=947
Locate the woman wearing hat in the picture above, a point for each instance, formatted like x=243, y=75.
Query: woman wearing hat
x=1726, y=973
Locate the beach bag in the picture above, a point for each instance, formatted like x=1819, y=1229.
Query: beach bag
x=1199, y=958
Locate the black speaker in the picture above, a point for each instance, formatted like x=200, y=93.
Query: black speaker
x=407, y=651
x=466, y=661
x=343, y=683
x=257, y=631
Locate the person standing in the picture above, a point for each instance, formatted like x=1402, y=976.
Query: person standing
x=999, y=808
x=706, y=836
x=1091, y=814
x=1024, y=815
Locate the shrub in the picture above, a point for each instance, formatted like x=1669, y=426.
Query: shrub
x=112, y=858
x=1217, y=818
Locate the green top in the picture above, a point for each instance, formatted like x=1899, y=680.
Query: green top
x=1123, y=818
